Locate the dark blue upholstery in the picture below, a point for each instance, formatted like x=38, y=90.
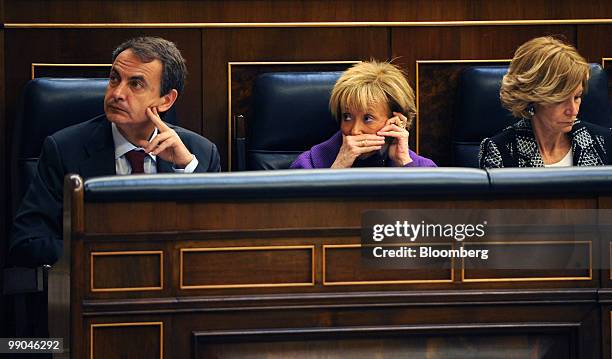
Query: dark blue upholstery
x=290, y=115
x=49, y=105
x=317, y=183
x=479, y=113
x=562, y=180
x=390, y=183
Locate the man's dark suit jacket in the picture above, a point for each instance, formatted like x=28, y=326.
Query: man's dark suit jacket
x=88, y=150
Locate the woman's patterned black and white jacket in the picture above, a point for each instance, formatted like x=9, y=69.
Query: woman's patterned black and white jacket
x=516, y=146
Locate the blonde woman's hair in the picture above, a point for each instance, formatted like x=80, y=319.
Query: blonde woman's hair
x=372, y=82
x=544, y=70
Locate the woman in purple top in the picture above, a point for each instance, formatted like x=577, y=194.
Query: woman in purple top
x=374, y=105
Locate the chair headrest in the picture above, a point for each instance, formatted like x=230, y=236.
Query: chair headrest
x=291, y=111
x=479, y=112
x=595, y=107
x=51, y=104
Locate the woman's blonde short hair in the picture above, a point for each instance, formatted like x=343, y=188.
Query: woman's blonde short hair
x=544, y=70
x=372, y=82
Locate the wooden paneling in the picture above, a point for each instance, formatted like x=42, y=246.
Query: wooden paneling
x=383, y=343
x=71, y=70
x=296, y=214
x=434, y=120
x=344, y=265
x=247, y=267
x=110, y=340
x=537, y=319
x=232, y=45
x=467, y=43
x=594, y=42
x=95, y=47
x=150, y=218
x=204, y=105
x=606, y=330
x=126, y=271
x=139, y=270
x=530, y=261
x=295, y=10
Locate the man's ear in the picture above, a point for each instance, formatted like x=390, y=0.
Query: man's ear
x=167, y=100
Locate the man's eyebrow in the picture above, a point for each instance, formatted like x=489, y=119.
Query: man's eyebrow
x=140, y=78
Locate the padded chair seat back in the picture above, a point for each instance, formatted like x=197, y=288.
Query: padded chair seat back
x=290, y=115
x=47, y=106
x=50, y=105
x=479, y=113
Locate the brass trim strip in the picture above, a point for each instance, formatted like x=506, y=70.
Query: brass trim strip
x=38, y=64
x=308, y=24
x=254, y=285
x=338, y=62
x=528, y=279
x=230, y=142
x=462, y=61
x=416, y=85
x=125, y=253
x=387, y=282
x=127, y=324
x=230, y=135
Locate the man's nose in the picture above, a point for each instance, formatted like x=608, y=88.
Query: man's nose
x=118, y=92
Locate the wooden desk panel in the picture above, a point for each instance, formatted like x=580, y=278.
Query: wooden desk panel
x=281, y=278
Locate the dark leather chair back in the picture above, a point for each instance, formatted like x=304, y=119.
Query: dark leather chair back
x=47, y=106
x=290, y=115
x=479, y=113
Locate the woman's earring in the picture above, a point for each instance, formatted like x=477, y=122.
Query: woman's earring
x=531, y=110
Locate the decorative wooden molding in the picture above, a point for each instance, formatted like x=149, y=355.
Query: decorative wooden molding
x=123, y=324
x=529, y=279
x=307, y=24
x=386, y=282
x=249, y=285
x=92, y=256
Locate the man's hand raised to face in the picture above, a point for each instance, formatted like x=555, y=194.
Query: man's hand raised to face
x=167, y=144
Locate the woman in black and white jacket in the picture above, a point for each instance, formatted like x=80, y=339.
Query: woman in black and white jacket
x=544, y=87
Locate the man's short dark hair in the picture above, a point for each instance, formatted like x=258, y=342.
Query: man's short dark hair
x=147, y=49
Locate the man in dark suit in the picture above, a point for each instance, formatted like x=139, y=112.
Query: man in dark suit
x=147, y=75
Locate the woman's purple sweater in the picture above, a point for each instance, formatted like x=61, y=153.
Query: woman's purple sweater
x=324, y=154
